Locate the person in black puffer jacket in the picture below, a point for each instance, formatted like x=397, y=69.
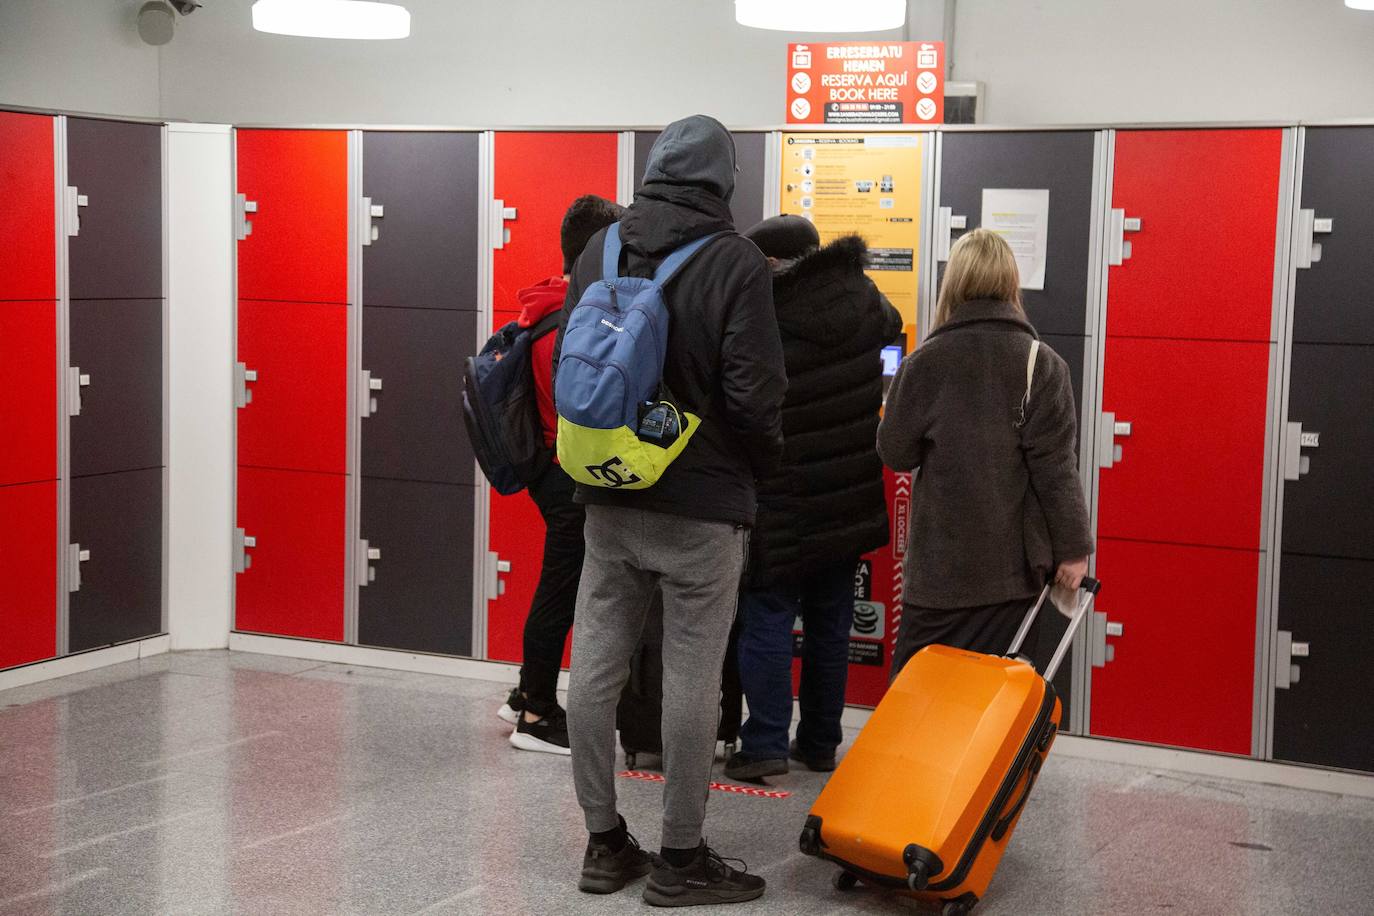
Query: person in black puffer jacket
x=824, y=507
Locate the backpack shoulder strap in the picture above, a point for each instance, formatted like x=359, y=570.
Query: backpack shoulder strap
x=675, y=261
x=546, y=324
x=610, y=253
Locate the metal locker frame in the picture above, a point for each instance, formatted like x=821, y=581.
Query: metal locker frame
x=353, y=366
x=772, y=173
x=166, y=373
x=63, y=360
x=483, y=561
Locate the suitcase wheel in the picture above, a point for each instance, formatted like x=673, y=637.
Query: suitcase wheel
x=631, y=760
x=845, y=881
x=960, y=907
x=810, y=841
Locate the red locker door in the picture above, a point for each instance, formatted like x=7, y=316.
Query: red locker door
x=297, y=417
x=1184, y=666
x=539, y=174
x=1191, y=470
x=28, y=257
x=28, y=375
x=298, y=249
x=294, y=585
x=28, y=573
x=1202, y=263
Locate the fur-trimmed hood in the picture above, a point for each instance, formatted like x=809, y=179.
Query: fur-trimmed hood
x=825, y=297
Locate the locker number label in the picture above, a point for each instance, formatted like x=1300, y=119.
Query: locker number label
x=1309, y=440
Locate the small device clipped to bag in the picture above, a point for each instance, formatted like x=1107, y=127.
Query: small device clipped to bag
x=660, y=423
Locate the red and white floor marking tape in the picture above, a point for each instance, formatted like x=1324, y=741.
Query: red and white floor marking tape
x=752, y=791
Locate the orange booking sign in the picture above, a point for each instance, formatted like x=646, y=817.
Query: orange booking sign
x=854, y=82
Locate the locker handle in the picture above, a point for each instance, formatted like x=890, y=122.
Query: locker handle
x=1306, y=249
x=75, y=557
x=500, y=235
x=1286, y=674
x=368, y=212
x=243, y=395
x=242, y=541
x=74, y=201
x=944, y=219
x=1295, y=439
x=1108, y=451
x=243, y=227
x=76, y=380
x=367, y=405
x=367, y=574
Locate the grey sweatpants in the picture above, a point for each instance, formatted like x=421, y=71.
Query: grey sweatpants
x=698, y=565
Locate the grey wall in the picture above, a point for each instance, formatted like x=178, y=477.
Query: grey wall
x=79, y=55
x=629, y=62
x=1088, y=61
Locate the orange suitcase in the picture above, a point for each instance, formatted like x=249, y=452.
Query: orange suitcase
x=927, y=798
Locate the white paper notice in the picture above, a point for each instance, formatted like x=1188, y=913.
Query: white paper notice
x=1022, y=217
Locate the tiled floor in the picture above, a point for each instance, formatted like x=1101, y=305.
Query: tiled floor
x=215, y=783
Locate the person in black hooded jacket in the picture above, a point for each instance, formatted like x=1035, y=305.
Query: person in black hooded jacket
x=824, y=507
x=688, y=534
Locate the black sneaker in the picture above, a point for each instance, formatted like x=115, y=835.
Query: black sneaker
x=709, y=879
x=510, y=710
x=549, y=734
x=605, y=872
x=745, y=768
x=815, y=764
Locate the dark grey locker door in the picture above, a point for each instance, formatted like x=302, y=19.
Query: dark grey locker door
x=1325, y=717
x=1328, y=511
x=1060, y=161
x=118, y=518
x=425, y=254
x=421, y=596
x=1334, y=299
x=417, y=431
x=117, y=167
x=750, y=153
x=118, y=344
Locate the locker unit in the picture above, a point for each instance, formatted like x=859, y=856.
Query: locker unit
x=1191, y=239
x=116, y=422
x=114, y=567
x=420, y=220
x=535, y=177
x=415, y=568
x=415, y=358
x=28, y=267
x=291, y=540
x=294, y=385
x=114, y=174
x=28, y=573
x=750, y=154
x=28, y=373
x=419, y=250
x=293, y=215
x=1323, y=633
x=114, y=383
x=292, y=388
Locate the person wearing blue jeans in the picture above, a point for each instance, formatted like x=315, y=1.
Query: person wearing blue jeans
x=824, y=507
x=824, y=601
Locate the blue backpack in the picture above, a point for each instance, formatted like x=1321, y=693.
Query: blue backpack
x=617, y=425
x=501, y=409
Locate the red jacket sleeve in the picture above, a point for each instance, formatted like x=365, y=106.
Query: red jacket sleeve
x=541, y=363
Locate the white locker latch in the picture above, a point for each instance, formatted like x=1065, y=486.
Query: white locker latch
x=366, y=572
x=75, y=557
x=242, y=207
x=1286, y=674
x=74, y=201
x=1108, y=431
x=500, y=213
x=496, y=586
x=1307, y=250
x=367, y=404
x=1295, y=439
x=243, y=395
x=370, y=211
x=1118, y=249
x=76, y=380
x=946, y=221
x=242, y=559
x=1099, y=628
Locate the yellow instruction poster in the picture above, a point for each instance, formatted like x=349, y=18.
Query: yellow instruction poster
x=868, y=184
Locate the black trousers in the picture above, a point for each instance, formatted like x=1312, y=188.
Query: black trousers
x=989, y=629
x=551, y=612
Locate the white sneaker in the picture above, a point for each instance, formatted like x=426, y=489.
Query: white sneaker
x=511, y=709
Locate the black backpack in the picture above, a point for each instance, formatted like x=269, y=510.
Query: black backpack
x=501, y=410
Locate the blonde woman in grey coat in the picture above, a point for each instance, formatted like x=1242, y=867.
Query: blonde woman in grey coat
x=997, y=504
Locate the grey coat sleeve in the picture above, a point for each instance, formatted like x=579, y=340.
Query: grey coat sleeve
x=1050, y=442
x=902, y=432
x=753, y=376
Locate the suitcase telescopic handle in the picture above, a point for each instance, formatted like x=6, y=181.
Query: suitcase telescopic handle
x=1088, y=588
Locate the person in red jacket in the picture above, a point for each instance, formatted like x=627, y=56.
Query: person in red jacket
x=540, y=723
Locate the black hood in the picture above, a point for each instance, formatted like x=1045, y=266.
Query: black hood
x=688, y=181
x=825, y=297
